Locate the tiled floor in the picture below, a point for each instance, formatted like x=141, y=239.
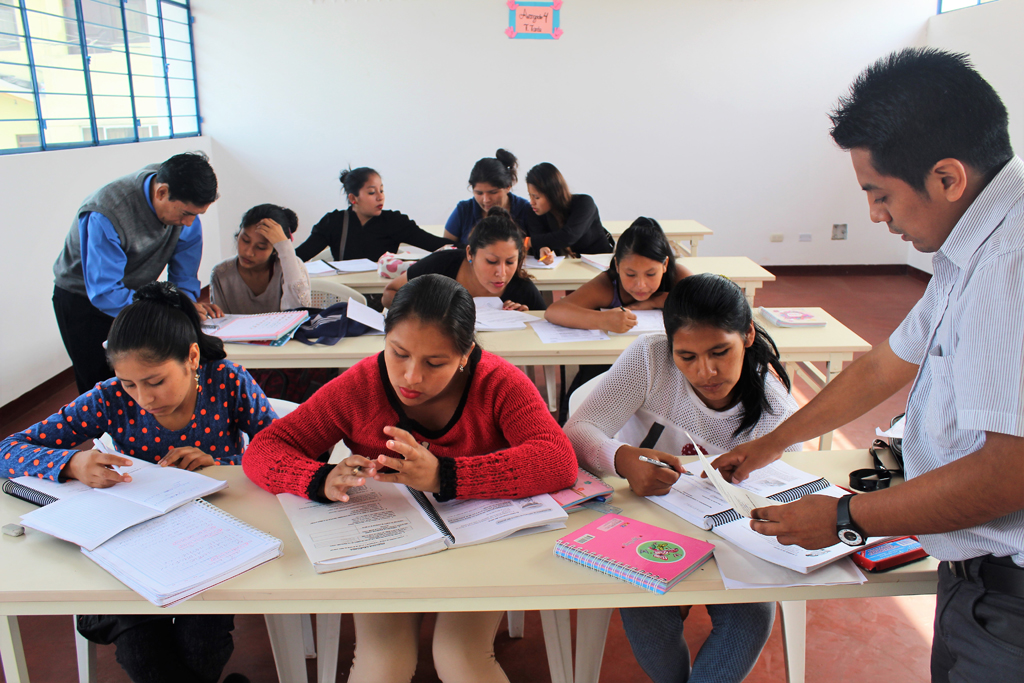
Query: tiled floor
x=883, y=640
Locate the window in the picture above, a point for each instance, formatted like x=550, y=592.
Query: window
x=76, y=73
x=950, y=5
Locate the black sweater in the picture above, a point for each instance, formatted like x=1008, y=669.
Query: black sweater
x=518, y=290
x=380, y=234
x=582, y=232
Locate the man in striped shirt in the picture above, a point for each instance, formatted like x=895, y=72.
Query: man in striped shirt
x=929, y=143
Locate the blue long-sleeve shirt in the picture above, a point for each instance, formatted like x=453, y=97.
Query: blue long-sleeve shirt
x=468, y=213
x=104, y=260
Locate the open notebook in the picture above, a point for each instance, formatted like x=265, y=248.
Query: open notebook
x=383, y=522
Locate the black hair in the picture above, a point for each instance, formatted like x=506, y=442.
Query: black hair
x=498, y=226
x=918, y=106
x=161, y=324
x=714, y=301
x=645, y=237
x=548, y=180
x=189, y=178
x=438, y=300
x=499, y=170
x=286, y=218
x=353, y=179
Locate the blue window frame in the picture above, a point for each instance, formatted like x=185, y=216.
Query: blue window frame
x=81, y=73
x=950, y=5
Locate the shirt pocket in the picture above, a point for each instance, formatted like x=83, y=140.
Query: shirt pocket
x=940, y=412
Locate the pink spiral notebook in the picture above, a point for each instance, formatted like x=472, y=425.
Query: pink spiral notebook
x=644, y=555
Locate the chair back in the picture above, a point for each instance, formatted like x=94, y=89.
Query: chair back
x=324, y=293
x=583, y=391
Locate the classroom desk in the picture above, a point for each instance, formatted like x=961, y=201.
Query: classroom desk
x=677, y=231
x=571, y=273
x=513, y=574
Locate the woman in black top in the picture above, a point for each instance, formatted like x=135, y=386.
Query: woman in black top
x=562, y=221
x=371, y=230
x=490, y=265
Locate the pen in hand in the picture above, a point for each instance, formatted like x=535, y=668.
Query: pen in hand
x=659, y=463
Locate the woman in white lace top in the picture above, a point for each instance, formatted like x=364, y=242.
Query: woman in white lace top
x=717, y=375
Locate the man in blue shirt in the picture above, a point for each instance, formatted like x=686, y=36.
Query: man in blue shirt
x=122, y=237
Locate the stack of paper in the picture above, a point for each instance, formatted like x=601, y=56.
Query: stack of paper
x=491, y=316
x=550, y=333
x=599, y=261
x=261, y=328
x=533, y=263
x=324, y=268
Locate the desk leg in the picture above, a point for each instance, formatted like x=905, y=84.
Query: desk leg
x=794, y=635
x=751, y=289
x=285, y=631
x=13, y=656
x=833, y=367
x=549, y=382
x=558, y=643
x=328, y=635
x=693, y=245
x=591, y=632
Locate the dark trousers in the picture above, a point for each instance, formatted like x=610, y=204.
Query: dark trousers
x=979, y=634
x=183, y=649
x=83, y=329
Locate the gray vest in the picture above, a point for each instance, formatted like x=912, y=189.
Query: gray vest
x=147, y=243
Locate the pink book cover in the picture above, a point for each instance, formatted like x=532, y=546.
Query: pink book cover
x=587, y=486
x=615, y=545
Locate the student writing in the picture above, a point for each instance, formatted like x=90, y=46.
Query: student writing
x=717, y=375
x=452, y=420
x=265, y=276
x=490, y=265
x=491, y=182
x=371, y=231
x=561, y=221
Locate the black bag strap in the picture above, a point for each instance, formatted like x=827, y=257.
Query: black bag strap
x=344, y=236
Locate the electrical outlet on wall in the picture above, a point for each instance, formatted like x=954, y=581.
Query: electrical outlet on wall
x=839, y=231
x=775, y=237
x=805, y=237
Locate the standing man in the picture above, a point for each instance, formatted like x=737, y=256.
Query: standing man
x=122, y=237
x=929, y=143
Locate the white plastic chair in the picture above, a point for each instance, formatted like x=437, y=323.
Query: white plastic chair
x=324, y=293
x=592, y=624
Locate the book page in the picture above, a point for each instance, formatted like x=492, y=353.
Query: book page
x=740, y=569
x=53, y=488
x=533, y=263
x=479, y=521
x=87, y=520
x=162, y=488
x=741, y=500
x=319, y=269
x=355, y=265
x=378, y=519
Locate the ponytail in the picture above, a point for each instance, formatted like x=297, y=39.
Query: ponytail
x=713, y=301
x=161, y=324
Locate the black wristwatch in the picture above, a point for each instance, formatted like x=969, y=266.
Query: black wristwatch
x=845, y=528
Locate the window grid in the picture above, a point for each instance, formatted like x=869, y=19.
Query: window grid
x=951, y=5
x=146, y=125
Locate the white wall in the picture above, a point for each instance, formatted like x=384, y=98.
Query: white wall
x=40, y=193
x=706, y=109
x=991, y=35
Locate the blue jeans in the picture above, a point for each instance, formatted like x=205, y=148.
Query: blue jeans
x=738, y=634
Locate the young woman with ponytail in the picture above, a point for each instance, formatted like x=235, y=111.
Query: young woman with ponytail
x=717, y=375
x=173, y=400
x=491, y=182
x=562, y=222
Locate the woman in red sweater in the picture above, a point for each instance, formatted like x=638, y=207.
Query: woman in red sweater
x=455, y=420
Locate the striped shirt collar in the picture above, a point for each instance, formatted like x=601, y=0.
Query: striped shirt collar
x=985, y=213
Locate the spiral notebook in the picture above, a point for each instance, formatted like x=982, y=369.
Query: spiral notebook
x=642, y=554
x=259, y=327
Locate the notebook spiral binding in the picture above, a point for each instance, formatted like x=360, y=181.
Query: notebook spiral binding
x=605, y=565
x=13, y=488
x=789, y=496
x=435, y=518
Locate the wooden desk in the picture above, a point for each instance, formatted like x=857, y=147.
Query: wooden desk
x=677, y=231
x=513, y=574
x=571, y=273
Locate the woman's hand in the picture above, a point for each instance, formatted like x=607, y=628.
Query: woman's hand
x=208, y=310
x=546, y=256
x=619, y=320
x=272, y=230
x=95, y=468
x=513, y=306
x=644, y=478
x=187, y=458
x=347, y=474
x=419, y=469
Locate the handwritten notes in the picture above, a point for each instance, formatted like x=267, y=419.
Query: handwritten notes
x=534, y=19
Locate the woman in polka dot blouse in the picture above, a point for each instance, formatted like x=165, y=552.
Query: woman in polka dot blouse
x=188, y=411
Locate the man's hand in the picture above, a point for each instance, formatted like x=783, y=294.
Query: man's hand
x=644, y=478
x=809, y=522
x=95, y=468
x=187, y=458
x=206, y=310
x=418, y=468
x=737, y=464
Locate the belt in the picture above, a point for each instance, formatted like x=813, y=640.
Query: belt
x=993, y=573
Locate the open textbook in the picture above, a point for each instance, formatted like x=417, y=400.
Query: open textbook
x=382, y=522
x=726, y=510
x=87, y=517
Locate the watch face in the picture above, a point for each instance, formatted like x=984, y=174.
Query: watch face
x=850, y=537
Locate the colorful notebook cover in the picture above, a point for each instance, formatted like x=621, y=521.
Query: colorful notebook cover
x=792, y=317
x=644, y=555
x=587, y=487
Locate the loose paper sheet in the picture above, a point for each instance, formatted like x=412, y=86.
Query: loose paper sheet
x=362, y=313
x=550, y=333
